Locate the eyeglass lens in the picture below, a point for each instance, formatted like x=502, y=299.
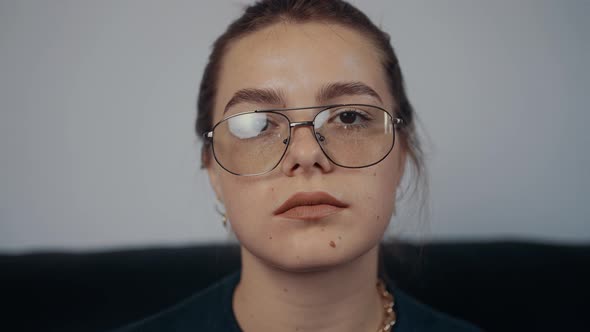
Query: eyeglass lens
x=350, y=136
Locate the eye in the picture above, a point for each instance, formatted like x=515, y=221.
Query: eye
x=350, y=117
x=347, y=117
x=265, y=127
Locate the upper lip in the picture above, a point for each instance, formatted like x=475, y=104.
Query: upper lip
x=309, y=198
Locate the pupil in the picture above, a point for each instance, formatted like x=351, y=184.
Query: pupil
x=347, y=117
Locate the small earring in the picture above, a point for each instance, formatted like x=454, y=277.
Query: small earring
x=222, y=214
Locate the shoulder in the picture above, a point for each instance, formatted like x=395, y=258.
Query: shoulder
x=208, y=310
x=413, y=316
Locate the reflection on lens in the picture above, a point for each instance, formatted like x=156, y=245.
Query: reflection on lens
x=321, y=118
x=250, y=143
x=247, y=125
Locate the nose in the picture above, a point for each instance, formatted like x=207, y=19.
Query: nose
x=304, y=155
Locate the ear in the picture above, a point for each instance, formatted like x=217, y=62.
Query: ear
x=402, y=161
x=208, y=163
x=403, y=154
x=400, y=174
x=213, y=173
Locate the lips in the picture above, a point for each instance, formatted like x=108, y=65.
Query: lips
x=310, y=206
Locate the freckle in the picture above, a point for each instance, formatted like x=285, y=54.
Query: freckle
x=374, y=173
x=378, y=217
x=285, y=290
x=340, y=238
x=297, y=256
x=270, y=237
x=332, y=244
x=323, y=229
x=272, y=189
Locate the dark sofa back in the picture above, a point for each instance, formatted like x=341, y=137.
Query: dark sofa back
x=500, y=286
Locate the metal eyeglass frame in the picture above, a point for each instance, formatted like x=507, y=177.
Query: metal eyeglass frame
x=208, y=136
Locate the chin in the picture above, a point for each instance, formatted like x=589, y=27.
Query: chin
x=305, y=264
x=312, y=257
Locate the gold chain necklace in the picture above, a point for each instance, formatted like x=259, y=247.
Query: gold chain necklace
x=388, y=303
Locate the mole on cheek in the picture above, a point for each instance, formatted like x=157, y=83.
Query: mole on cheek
x=270, y=237
x=332, y=244
x=374, y=173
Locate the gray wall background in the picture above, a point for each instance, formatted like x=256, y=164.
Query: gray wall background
x=97, y=109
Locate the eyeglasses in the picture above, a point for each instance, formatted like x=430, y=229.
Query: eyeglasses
x=350, y=135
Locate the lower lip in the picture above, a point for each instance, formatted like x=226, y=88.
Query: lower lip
x=310, y=212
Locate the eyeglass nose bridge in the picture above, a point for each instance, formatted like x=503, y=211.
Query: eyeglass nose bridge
x=301, y=124
x=319, y=137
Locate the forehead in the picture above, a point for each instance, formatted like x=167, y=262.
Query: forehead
x=299, y=59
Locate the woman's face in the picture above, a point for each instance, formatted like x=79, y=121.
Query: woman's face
x=297, y=61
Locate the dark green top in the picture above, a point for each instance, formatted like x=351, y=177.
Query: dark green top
x=211, y=310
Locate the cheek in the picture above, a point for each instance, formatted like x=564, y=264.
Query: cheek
x=248, y=202
x=380, y=190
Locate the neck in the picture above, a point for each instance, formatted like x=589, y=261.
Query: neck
x=343, y=298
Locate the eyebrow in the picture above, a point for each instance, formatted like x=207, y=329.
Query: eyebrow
x=327, y=92
x=256, y=96
x=339, y=89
